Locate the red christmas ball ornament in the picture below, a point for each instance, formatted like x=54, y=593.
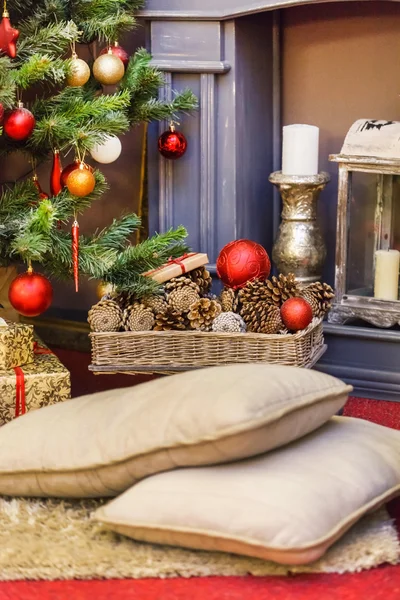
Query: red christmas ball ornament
x=71, y=167
x=8, y=36
x=241, y=261
x=119, y=51
x=172, y=144
x=30, y=293
x=296, y=314
x=19, y=123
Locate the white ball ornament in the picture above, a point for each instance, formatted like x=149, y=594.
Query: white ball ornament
x=108, y=151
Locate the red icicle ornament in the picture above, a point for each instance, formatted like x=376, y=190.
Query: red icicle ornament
x=75, y=252
x=42, y=194
x=55, y=177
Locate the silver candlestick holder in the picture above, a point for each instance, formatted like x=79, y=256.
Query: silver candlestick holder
x=299, y=247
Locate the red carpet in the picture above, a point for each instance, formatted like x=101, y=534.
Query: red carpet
x=379, y=584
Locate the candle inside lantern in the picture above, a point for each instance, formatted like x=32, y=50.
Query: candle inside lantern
x=387, y=263
x=300, y=150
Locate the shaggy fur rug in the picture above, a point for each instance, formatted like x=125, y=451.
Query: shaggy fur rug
x=52, y=539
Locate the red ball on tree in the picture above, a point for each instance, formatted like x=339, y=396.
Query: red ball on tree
x=241, y=261
x=30, y=293
x=19, y=123
x=172, y=144
x=71, y=167
x=119, y=51
x=296, y=314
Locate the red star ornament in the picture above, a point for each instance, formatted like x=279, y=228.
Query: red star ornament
x=8, y=36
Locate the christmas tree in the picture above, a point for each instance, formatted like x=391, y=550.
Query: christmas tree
x=52, y=102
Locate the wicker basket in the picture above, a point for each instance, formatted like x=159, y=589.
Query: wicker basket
x=170, y=352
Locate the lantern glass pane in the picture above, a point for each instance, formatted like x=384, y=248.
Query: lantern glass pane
x=395, y=233
x=361, y=234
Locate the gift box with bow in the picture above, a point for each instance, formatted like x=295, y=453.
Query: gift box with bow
x=43, y=382
x=16, y=344
x=175, y=267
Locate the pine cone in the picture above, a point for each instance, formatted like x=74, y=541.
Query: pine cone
x=312, y=301
x=182, y=299
x=229, y=300
x=261, y=317
x=124, y=299
x=170, y=319
x=202, y=314
x=158, y=304
x=229, y=321
x=178, y=282
x=281, y=288
x=138, y=317
x=254, y=291
x=322, y=293
x=106, y=315
x=202, y=278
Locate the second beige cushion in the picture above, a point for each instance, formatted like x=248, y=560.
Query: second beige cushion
x=288, y=505
x=99, y=445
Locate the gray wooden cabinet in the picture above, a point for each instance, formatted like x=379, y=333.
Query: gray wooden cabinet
x=219, y=190
x=228, y=52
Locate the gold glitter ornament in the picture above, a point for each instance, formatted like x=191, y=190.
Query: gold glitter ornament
x=80, y=72
x=104, y=289
x=108, y=69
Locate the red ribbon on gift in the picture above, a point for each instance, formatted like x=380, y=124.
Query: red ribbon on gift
x=20, y=402
x=20, y=398
x=172, y=261
x=178, y=261
x=40, y=350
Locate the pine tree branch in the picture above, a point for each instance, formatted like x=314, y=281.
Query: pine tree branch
x=14, y=201
x=7, y=84
x=150, y=254
x=105, y=20
x=94, y=259
x=52, y=39
x=116, y=234
x=35, y=239
x=156, y=110
x=41, y=67
x=141, y=79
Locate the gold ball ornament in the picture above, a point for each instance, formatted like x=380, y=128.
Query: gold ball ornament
x=108, y=69
x=81, y=182
x=80, y=72
x=104, y=289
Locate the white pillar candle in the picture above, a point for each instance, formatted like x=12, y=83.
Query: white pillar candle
x=300, y=150
x=387, y=263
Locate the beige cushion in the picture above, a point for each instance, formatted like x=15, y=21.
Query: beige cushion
x=288, y=506
x=99, y=445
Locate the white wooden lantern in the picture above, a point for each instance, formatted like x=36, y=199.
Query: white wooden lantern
x=368, y=225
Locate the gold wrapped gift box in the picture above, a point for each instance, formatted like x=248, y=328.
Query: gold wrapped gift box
x=41, y=383
x=16, y=344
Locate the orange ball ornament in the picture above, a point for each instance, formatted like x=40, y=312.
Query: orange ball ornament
x=241, y=261
x=81, y=182
x=296, y=314
x=71, y=167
